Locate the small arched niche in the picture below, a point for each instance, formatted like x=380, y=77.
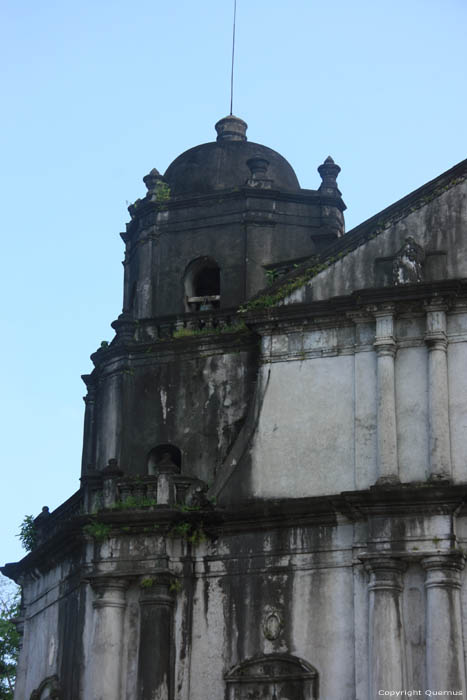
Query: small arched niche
x=278, y=676
x=164, y=459
x=49, y=689
x=202, y=285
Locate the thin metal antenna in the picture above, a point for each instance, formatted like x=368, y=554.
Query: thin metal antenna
x=233, y=57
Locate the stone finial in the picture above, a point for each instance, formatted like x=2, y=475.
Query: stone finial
x=231, y=128
x=258, y=167
x=112, y=469
x=151, y=180
x=329, y=172
x=124, y=327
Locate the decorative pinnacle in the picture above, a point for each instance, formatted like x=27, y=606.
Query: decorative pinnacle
x=151, y=179
x=231, y=128
x=329, y=171
x=258, y=166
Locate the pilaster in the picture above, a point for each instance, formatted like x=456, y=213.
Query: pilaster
x=106, y=655
x=88, y=456
x=385, y=346
x=156, y=658
x=444, y=642
x=438, y=398
x=386, y=633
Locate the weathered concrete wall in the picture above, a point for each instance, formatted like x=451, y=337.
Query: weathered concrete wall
x=318, y=427
x=53, y=639
x=315, y=591
x=193, y=400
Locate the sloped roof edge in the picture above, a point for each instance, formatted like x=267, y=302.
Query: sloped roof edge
x=357, y=236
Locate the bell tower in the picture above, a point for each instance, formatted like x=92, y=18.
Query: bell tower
x=224, y=218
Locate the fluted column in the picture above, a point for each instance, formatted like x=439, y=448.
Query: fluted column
x=386, y=634
x=106, y=656
x=438, y=397
x=385, y=346
x=445, y=665
x=155, y=661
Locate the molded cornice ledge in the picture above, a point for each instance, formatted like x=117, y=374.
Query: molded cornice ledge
x=420, y=499
x=360, y=299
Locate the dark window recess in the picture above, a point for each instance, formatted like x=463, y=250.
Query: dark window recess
x=203, y=285
x=208, y=282
x=165, y=458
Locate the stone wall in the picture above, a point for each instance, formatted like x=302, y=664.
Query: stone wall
x=355, y=592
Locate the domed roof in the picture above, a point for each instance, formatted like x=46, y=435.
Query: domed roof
x=223, y=164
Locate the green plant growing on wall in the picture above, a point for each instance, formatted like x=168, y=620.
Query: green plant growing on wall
x=192, y=533
x=180, y=530
x=197, y=536
x=97, y=530
x=148, y=582
x=162, y=192
x=9, y=638
x=28, y=533
x=175, y=586
x=187, y=509
x=271, y=276
x=194, y=332
x=135, y=502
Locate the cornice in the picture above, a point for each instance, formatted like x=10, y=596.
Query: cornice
x=169, y=349
x=367, y=300
x=396, y=501
x=314, y=197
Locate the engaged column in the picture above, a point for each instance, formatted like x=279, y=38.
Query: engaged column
x=106, y=657
x=386, y=634
x=444, y=643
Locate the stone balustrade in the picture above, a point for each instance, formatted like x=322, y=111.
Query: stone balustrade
x=184, y=325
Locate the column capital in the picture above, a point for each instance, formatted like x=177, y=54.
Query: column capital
x=385, y=347
x=443, y=570
x=385, y=343
x=385, y=572
x=384, y=309
x=436, y=304
x=436, y=341
x=110, y=591
x=435, y=335
x=157, y=589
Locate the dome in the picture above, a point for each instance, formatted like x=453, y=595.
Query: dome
x=223, y=164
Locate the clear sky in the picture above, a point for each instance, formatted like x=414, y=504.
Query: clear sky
x=95, y=94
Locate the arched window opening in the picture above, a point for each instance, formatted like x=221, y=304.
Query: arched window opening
x=273, y=675
x=165, y=459
x=49, y=689
x=202, y=285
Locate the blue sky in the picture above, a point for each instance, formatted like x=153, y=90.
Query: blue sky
x=95, y=94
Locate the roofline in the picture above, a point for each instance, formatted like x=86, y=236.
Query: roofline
x=428, y=188
x=371, y=227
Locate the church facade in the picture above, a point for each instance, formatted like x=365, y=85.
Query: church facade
x=274, y=476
